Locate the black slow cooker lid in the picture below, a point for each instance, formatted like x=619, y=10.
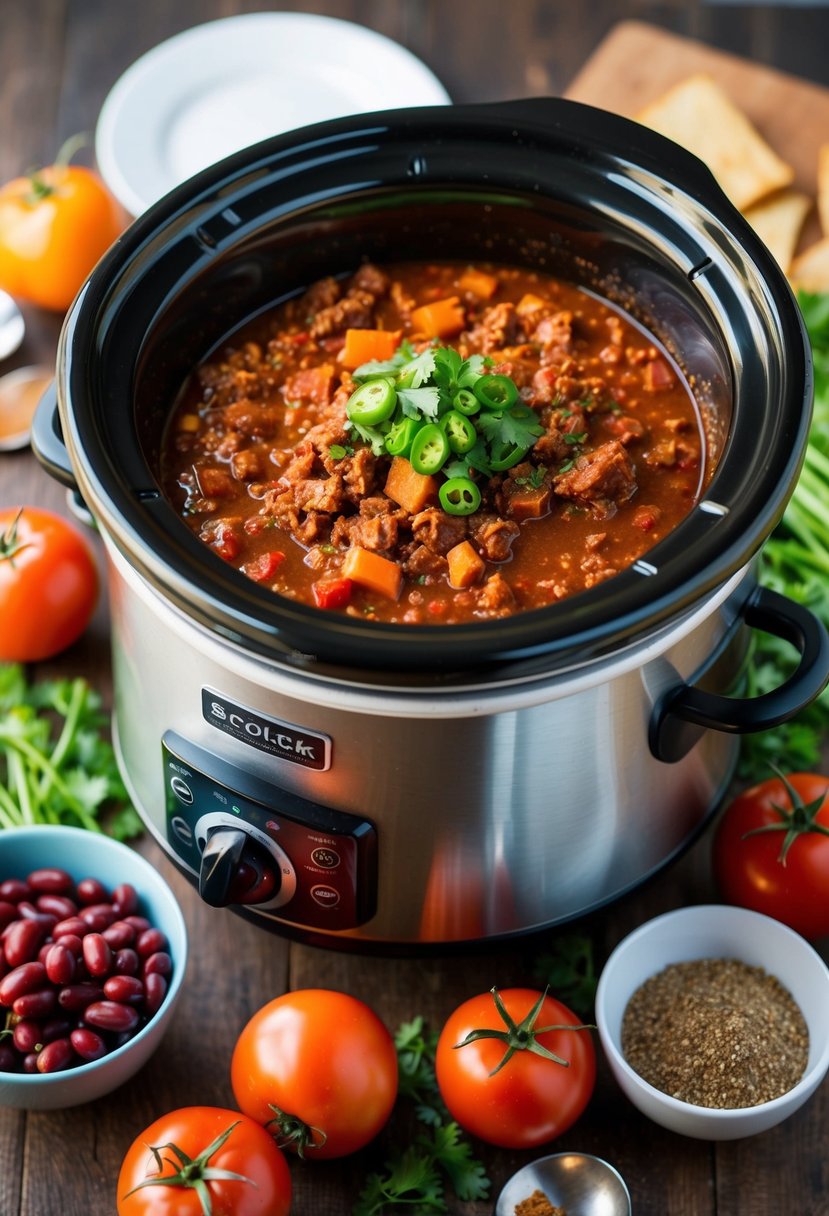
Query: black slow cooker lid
x=552, y=184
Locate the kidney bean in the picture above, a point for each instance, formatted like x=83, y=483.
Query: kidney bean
x=25, y=978
x=60, y=964
x=71, y=942
x=51, y=881
x=75, y=997
x=30, y=1062
x=55, y=1056
x=126, y=962
x=119, y=934
x=151, y=941
x=23, y=940
x=27, y=1036
x=91, y=891
x=98, y=916
x=37, y=1004
x=14, y=889
x=155, y=990
x=4, y=966
x=27, y=908
x=60, y=906
x=44, y=950
x=126, y=989
x=88, y=1044
x=159, y=963
x=125, y=899
x=9, y=1058
x=55, y=1028
x=109, y=1015
x=73, y=925
x=8, y=913
x=97, y=955
x=139, y=923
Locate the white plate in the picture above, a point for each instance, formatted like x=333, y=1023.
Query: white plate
x=223, y=86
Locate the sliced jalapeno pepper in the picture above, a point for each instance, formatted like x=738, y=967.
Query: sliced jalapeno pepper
x=495, y=392
x=465, y=401
x=459, y=496
x=372, y=402
x=400, y=437
x=459, y=431
x=505, y=455
x=430, y=449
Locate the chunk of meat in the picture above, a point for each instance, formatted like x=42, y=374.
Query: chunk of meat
x=424, y=562
x=554, y=334
x=437, y=530
x=498, y=327
x=623, y=427
x=247, y=465
x=310, y=385
x=379, y=533
x=320, y=494
x=602, y=478
x=252, y=418
x=371, y=279
x=355, y=311
x=494, y=536
x=359, y=474
x=323, y=294
x=215, y=483
x=495, y=598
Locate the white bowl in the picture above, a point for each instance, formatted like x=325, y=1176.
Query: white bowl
x=714, y=931
x=86, y=854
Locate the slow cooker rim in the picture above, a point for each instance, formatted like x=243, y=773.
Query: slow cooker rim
x=179, y=565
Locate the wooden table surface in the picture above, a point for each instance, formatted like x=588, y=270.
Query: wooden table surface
x=58, y=59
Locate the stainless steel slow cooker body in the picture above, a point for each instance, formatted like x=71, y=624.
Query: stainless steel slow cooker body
x=437, y=784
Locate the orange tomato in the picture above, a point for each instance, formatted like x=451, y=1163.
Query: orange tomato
x=54, y=227
x=48, y=584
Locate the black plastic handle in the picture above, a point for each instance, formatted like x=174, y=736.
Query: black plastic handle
x=219, y=862
x=670, y=736
x=47, y=439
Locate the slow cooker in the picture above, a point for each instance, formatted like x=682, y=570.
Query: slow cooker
x=354, y=783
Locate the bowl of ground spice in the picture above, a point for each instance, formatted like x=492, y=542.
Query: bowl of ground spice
x=713, y=1020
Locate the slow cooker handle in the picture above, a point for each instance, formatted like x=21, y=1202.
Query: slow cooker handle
x=682, y=713
x=47, y=439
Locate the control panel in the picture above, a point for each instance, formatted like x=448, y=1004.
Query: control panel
x=248, y=841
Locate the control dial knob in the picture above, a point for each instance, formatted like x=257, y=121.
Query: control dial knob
x=235, y=869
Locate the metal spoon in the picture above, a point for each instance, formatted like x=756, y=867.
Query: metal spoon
x=578, y=1182
x=12, y=326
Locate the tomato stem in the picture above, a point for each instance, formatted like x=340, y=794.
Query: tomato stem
x=292, y=1132
x=10, y=544
x=192, y=1172
x=39, y=187
x=519, y=1036
x=797, y=820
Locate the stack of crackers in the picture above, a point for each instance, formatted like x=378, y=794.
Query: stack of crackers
x=698, y=114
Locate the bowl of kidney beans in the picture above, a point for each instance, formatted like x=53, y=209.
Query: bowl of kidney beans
x=93, y=949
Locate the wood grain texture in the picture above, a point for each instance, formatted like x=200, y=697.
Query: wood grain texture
x=58, y=60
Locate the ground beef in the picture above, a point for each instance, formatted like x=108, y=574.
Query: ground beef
x=252, y=418
x=494, y=537
x=498, y=327
x=437, y=530
x=372, y=279
x=353, y=312
x=495, y=598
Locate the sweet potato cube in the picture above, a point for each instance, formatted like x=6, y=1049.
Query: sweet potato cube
x=372, y=571
x=465, y=565
x=413, y=491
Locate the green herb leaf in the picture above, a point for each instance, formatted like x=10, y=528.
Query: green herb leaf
x=419, y=402
x=56, y=762
x=409, y=1183
x=454, y=1155
x=569, y=971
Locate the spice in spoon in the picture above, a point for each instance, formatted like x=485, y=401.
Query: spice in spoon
x=538, y=1204
x=716, y=1033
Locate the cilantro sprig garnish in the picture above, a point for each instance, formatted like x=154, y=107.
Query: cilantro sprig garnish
x=414, y=1179
x=56, y=765
x=487, y=427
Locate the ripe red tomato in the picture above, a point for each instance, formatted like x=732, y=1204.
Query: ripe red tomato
x=326, y=1062
x=530, y=1099
x=54, y=227
x=220, y=1140
x=48, y=584
x=783, y=869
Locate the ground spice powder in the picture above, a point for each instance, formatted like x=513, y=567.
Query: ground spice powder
x=716, y=1033
x=538, y=1204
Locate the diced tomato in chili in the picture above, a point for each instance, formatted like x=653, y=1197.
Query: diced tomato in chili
x=227, y=544
x=264, y=567
x=332, y=592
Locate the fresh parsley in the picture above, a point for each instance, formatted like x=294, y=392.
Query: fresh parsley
x=56, y=763
x=414, y=1179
